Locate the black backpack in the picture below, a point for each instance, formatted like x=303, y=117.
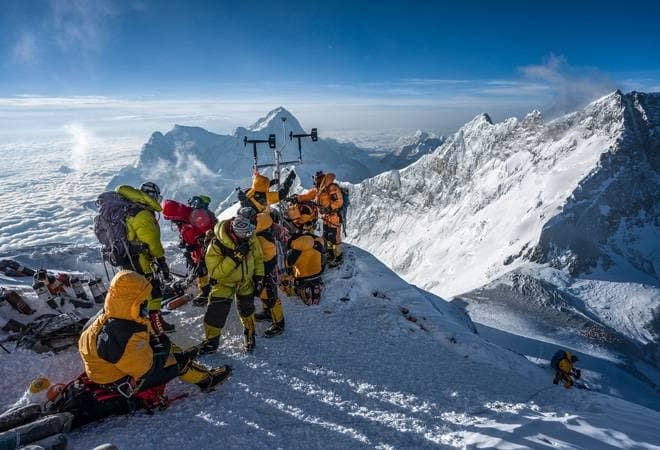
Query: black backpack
x=557, y=357
x=110, y=227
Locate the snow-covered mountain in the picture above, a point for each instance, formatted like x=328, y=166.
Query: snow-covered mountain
x=549, y=232
x=190, y=160
x=409, y=149
x=580, y=193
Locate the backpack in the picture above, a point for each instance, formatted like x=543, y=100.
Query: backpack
x=344, y=207
x=110, y=227
x=556, y=358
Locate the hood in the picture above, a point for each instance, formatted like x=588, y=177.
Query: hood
x=260, y=183
x=137, y=196
x=128, y=290
x=328, y=179
x=221, y=231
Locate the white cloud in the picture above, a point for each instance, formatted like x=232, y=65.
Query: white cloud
x=82, y=24
x=25, y=50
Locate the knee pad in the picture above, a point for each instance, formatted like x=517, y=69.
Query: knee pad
x=217, y=312
x=245, y=305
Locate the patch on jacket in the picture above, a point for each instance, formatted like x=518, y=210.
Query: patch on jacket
x=114, y=336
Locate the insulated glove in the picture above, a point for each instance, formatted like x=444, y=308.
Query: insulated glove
x=243, y=248
x=258, y=281
x=242, y=198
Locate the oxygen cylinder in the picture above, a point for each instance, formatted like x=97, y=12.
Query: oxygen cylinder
x=78, y=288
x=97, y=289
x=55, y=286
x=44, y=294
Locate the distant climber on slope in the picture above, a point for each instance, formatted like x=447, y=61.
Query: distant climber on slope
x=562, y=362
x=328, y=196
x=128, y=229
x=193, y=221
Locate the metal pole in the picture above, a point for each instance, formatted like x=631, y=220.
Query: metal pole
x=278, y=154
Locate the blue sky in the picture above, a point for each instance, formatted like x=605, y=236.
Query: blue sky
x=377, y=63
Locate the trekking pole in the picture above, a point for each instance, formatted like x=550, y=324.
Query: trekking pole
x=5, y=348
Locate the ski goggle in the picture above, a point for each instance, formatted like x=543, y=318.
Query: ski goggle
x=144, y=311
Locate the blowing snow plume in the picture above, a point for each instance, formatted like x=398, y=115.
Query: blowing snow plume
x=571, y=87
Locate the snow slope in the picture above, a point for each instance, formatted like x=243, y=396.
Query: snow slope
x=190, y=160
x=509, y=201
x=358, y=373
x=535, y=310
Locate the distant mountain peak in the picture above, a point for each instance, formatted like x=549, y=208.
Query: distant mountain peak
x=272, y=122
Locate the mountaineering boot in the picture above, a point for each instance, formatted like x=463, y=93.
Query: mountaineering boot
x=203, y=298
x=206, y=379
x=158, y=324
x=275, y=329
x=277, y=317
x=205, y=347
x=215, y=377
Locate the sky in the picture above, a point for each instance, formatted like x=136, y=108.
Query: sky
x=136, y=66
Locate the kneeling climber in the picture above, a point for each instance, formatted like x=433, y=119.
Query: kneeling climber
x=121, y=354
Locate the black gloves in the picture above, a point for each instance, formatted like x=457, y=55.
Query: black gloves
x=163, y=268
x=577, y=374
x=242, y=198
x=286, y=186
x=243, y=247
x=258, y=281
x=241, y=251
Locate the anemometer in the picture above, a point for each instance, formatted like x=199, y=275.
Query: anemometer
x=277, y=154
